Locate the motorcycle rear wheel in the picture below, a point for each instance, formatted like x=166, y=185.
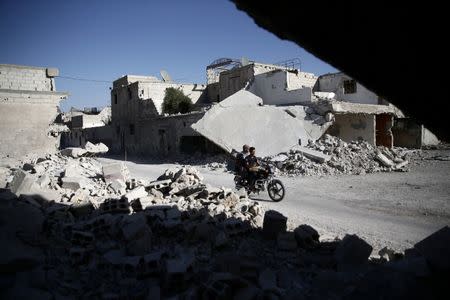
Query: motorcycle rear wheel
x=276, y=190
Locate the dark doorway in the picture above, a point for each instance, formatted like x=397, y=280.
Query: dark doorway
x=192, y=144
x=383, y=125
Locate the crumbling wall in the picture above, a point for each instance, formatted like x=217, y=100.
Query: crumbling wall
x=279, y=87
x=162, y=135
x=28, y=105
x=407, y=133
x=352, y=127
x=24, y=124
x=335, y=83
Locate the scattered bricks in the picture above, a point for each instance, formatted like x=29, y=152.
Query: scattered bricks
x=136, y=193
x=115, y=171
x=156, y=193
x=159, y=184
x=134, y=226
x=98, y=225
x=273, y=223
x=81, y=238
x=286, y=241
x=115, y=206
x=156, y=212
x=387, y=254
x=352, y=252
x=306, y=235
x=267, y=280
x=436, y=249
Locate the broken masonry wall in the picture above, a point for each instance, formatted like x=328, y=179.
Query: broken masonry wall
x=234, y=80
x=279, y=87
x=407, y=133
x=352, y=127
x=79, y=137
x=28, y=105
x=131, y=102
x=335, y=83
x=163, y=135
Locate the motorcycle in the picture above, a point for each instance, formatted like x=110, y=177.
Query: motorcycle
x=265, y=180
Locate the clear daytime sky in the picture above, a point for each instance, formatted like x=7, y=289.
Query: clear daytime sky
x=104, y=40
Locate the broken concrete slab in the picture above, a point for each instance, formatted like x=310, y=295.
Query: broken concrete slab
x=115, y=171
x=352, y=252
x=312, y=154
x=98, y=148
x=436, y=249
x=22, y=182
x=73, y=152
x=223, y=123
x=73, y=183
x=136, y=193
x=384, y=160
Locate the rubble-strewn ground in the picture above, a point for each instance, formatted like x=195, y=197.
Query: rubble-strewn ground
x=92, y=228
x=393, y=209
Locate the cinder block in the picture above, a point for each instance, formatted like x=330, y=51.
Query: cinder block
x=352, y=252
x=274, y=223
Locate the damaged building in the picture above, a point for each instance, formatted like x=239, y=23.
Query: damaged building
x=359, y=108
x=28, y=108
x=288, y=107
x=139, y=125
x=88, y=125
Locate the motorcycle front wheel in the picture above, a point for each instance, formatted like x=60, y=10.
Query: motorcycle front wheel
x=276, y=191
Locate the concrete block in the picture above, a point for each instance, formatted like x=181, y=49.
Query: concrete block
x=73, y=152
x=115, y=206
x=273, y=223
x=306, y=235
x=313, y=154
x=114, y=171
x=52, y=72
x=384, y=160
x=352, y=252
x=22, y=183
x=118, y=186
x=73, y=183
x=136, y=193
x=436, y=249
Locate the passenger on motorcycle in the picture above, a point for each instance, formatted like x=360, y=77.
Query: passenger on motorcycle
x=252, y=164
x=240, y=164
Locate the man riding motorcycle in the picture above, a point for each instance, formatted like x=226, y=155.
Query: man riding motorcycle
x=241, y=164
x=252, y=165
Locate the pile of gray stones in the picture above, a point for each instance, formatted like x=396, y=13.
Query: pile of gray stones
x=74, y=228
x=354, y=158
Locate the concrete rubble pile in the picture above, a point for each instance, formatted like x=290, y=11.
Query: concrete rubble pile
x=176, y=238
x=332, y=156
x=74, y=227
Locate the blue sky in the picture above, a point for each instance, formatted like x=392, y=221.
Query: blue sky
x=103, y=40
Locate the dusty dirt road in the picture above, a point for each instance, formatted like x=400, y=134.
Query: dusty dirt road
x=386, y=209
